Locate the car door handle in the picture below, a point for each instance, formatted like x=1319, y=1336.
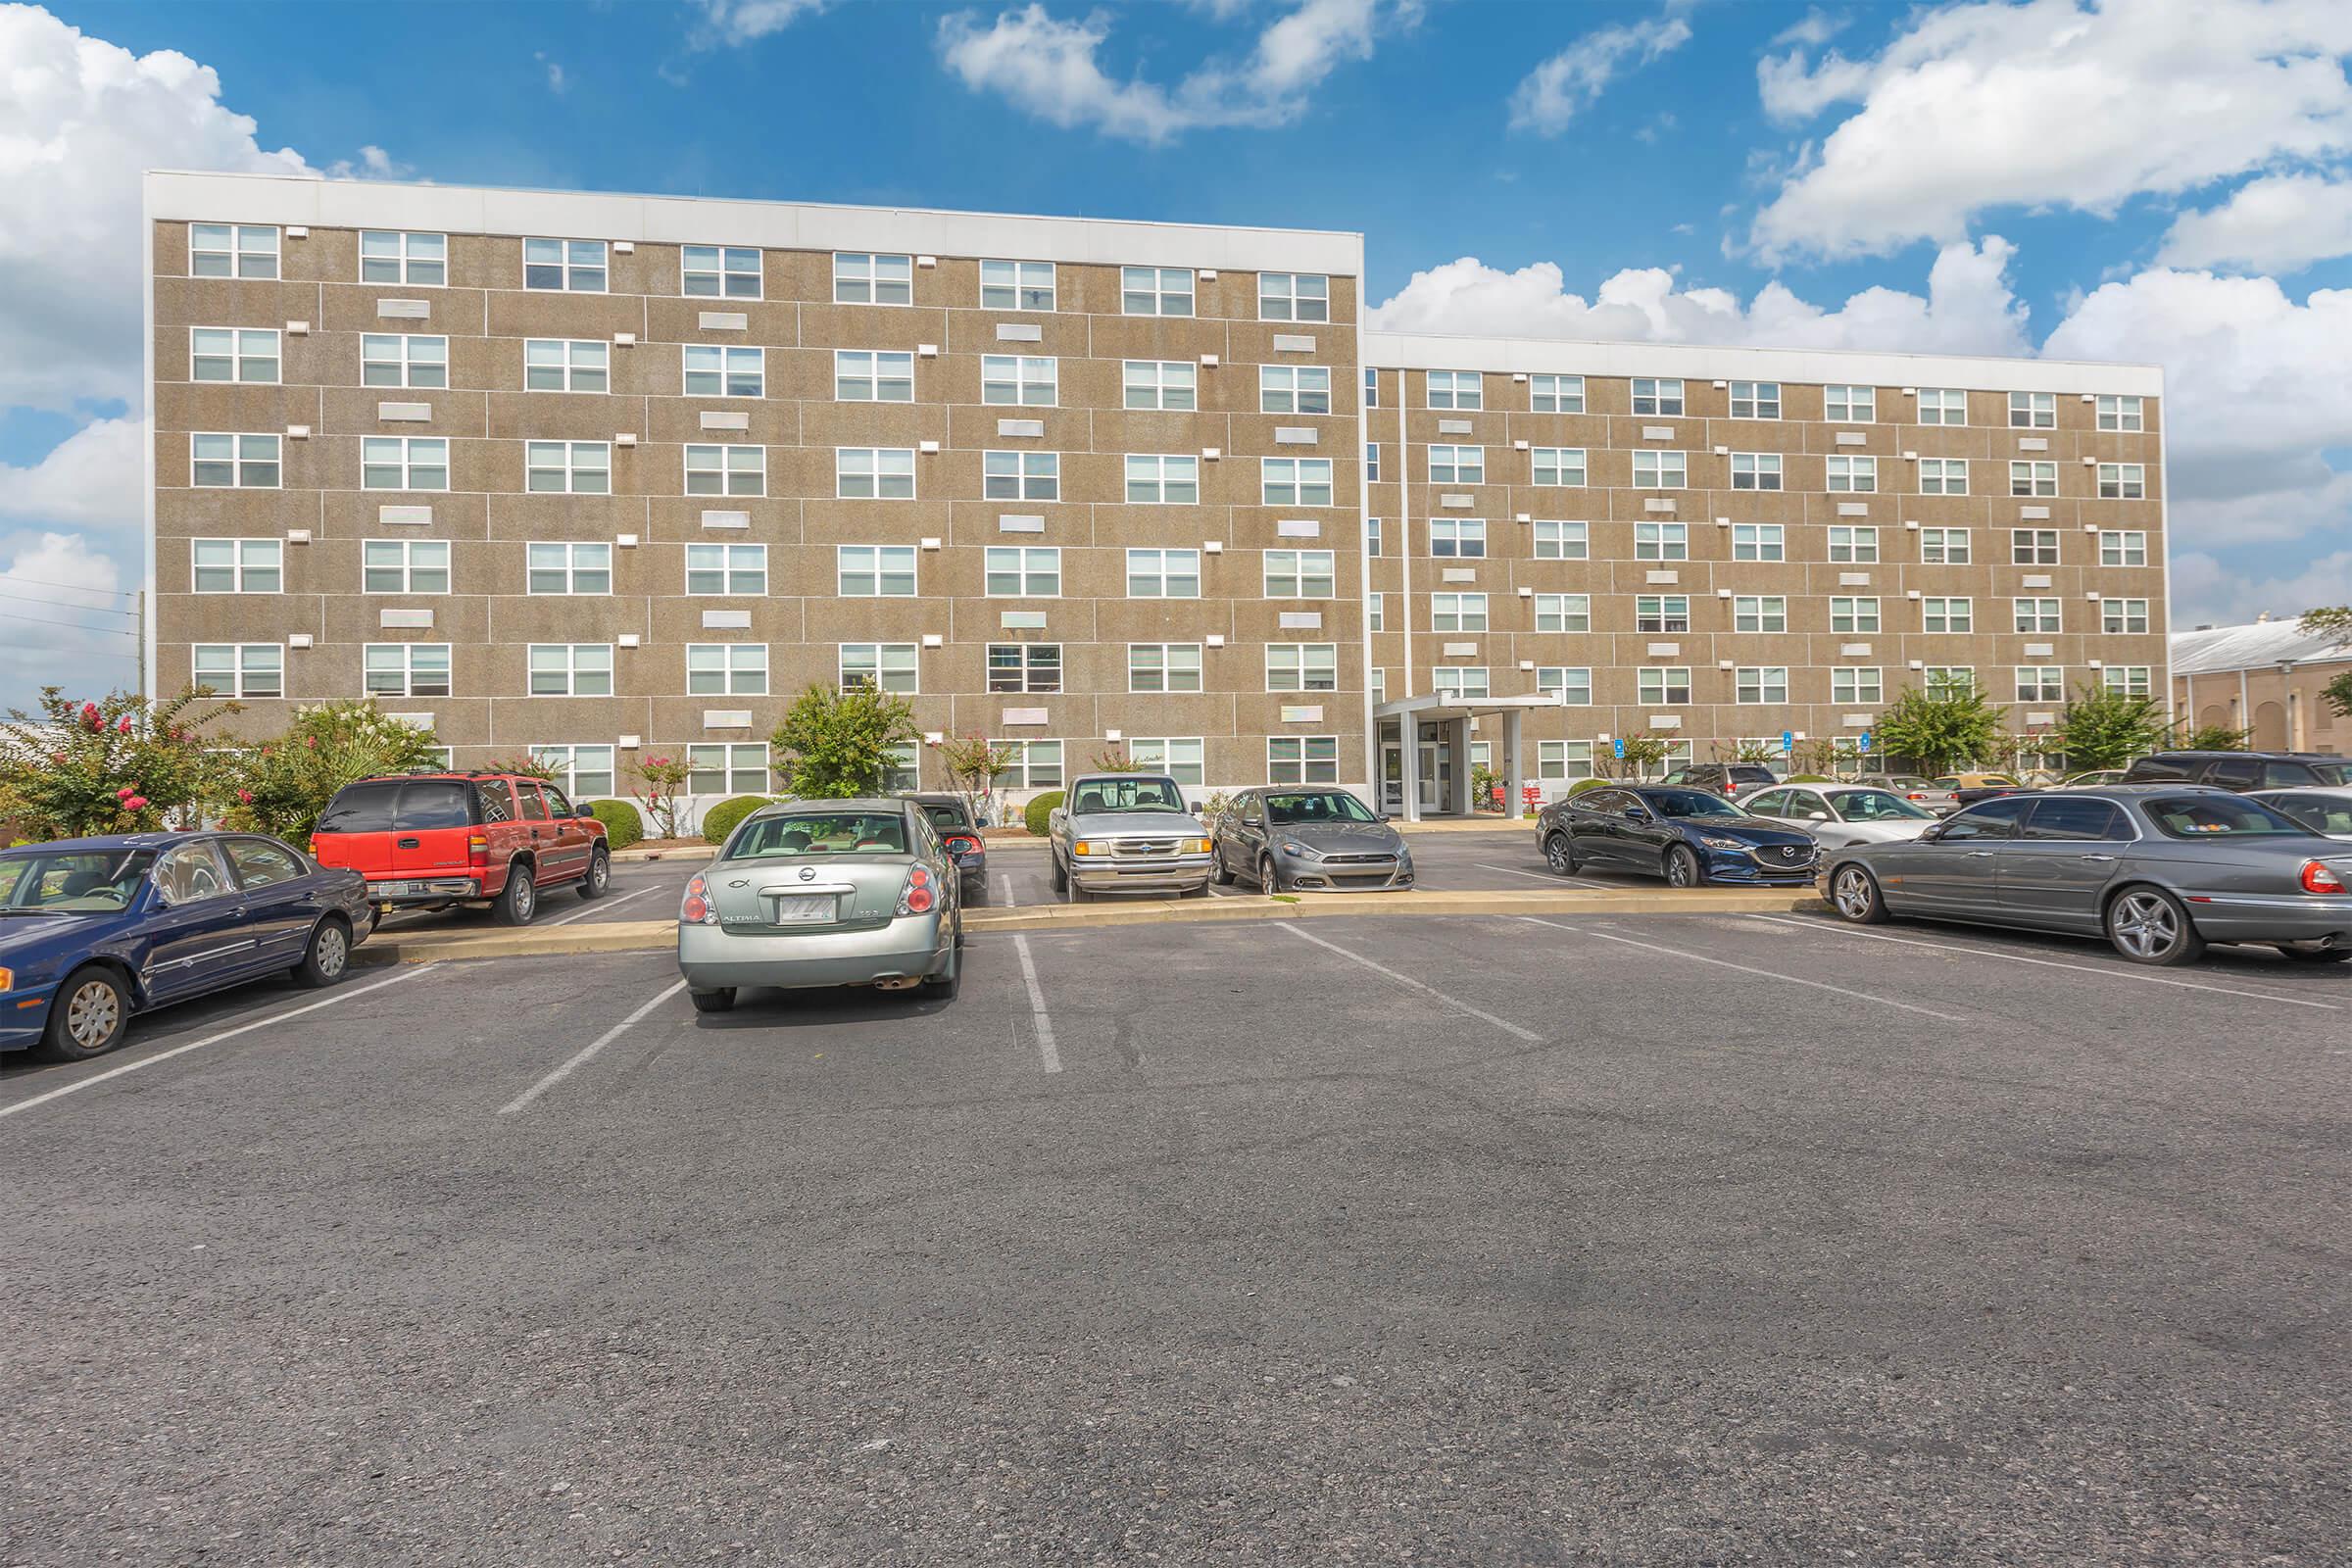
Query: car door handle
x=2099, y=857
x=1985, y=854
x=405, y=844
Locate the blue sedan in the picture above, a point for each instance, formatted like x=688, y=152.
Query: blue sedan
x=92, y=930
x=1690, y=836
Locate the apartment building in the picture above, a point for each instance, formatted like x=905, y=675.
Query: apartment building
x=598, y=476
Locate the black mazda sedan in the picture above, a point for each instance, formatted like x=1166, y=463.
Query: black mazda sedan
x=1687, y=836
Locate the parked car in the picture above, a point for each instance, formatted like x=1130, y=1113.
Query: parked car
x=2096, y=779
x=1730, y=780
x=2326, y=813
x=2242, y=771
x=431, y=840
x=1838, y=814
x=1127, y=833
x=2160, y=871
x=814, y=894
x=94, y=930
x=1969, y=788
x=1911, y=787
x=1688, y=837
x=951, y=820
x=1285, y=838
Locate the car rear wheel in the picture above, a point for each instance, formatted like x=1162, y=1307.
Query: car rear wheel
x=86, y=1018
x=719, y=1000
x=1856, y=893
x=1682, y=869
x=518, y=899
x=2149, y=925
x=598, y=880
x=1559, y=853
x=328, y=956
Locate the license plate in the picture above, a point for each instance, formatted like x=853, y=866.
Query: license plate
x=393, y=889
x=804, y=907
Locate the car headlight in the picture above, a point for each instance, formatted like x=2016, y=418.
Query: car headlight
x=1194, y=846
x=1294, y=847
x=1716, y=842
x=8, y=979
x=1088, y=847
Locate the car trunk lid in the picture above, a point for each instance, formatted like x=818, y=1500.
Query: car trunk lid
x=808, y=893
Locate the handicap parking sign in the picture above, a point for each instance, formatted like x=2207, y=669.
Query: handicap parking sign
x=1619, y=745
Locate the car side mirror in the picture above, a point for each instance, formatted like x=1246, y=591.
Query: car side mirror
x=1817, y=816
x=1635, y=813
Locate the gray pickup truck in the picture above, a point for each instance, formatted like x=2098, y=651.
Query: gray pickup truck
x=1127, y=833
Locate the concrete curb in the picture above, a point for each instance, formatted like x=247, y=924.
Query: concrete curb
x=682, y=856
x=655, y=936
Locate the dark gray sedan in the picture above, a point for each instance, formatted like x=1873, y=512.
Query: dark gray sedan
x=2159, y=870
x=1320, y=839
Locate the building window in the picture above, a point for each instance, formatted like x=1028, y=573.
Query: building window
x=715, y=470
x=1020, y=476
x=403, y=566
x=1760, y=683
x=1164, y=667
x=582, y=772
x=1023, y=668
x=1660, y=471
x=1303, y=666
x=1851, y=544
x=565, y=365
x=1303, y=758
x=1949, y=680
x=1556, y=394
x=219, y=460
x=1849, y=405
x=1662, y=613
x=1017, y=285
x=1758, y=541
x=404, y=463
x=1849, y=615
x=1943, y=614
x=572, y=669
x=240, y=670
x=388, y=256
x=873, y=473
x=1944, y=476
x=1372, y=461
x=1298, y=574
x=2129, y=548
x=1376, y=611
x=390, y=359
x=1027, y=380
x=1563, y=759
x=2034, y=547
x=885, y=667
x=1849, y=686
x=568, y=468
x=1563, y=541
x=1665, y=688
x=2035, y=615
x=1756, y=471
x=1566, y=612
x=1023, y=572
x=1463, y=390
x=1295, y=481
x=1943, y=405
x=1031, y=765
x=1371, y=536
x=1457, y=536
x=1170, y=384
x=860, y=277
x=232, y=250
x=2123, y=481
x=237, y=566
x=1858, y=476
x=1371, y=387
x=2117, y=617
x=1657, y=396
x=1661, y=541
x=1452, y=464
x=1157, y=480
x=731, y=768
x=874, y=571
x=1759, y=613
x=726, y=569
x=1164, y=573
x=1293, y=297
x=1755, y=399
x=1560, y=466
x=566, y=265
x=1180, y=758
x=1460, y=682
x=1294, y=389
x=2032, y=411
x=2120, y=413
x=726, y=669
x=720, y=271
x=2040, y=683
x=2127, y=680
x=1458, y=612
x=1155, y=290
x=1943, y=547
x=713, y=371
x=232, y=353
x=2032, y=478
x=567, y=569
x=404, y=670
x=1570, y=685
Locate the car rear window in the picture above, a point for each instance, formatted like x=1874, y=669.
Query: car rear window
x=2159, y=770
x=2321, y=813
x=403, y=805
x=820, y=833
x=2212, y=816
x=1756, y=774
x=946, y=815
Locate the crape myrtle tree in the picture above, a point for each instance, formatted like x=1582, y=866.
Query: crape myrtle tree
x=1939, y=730
x=117, y=765
x=2106, y=729
x=283, y=785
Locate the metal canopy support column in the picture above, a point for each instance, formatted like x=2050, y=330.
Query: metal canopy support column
x=1410, y=733
x=1514, y=773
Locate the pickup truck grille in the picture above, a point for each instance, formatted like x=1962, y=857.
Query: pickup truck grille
x=1143, y=847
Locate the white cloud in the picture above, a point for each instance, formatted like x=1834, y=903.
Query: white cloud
x=556, y=81
x=2208, y=593
x=2052, y=103
x=1051, y=68
x=742, y=21
x=2279, y=224
x=374, y=162
x=1572, y=80
x=94, y=478
x=1811, y=31
x=63, y=619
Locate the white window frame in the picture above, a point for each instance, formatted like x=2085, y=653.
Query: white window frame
x=726, y=669
x=1658, y=686
x=409, y=456
x=1159, y=384
x=728, y=469
x=1562, y=540
x=1662, y=615
x=1760, y=470
x=244, y=459
x=2029, y=478
x=1849, y=405
x=885, y=470
x=1295, y=482
x=1461, y=682
x=725, y=266
x=2032, y=411
x=231, y=243
x=582, y=559
x=1944, y=476
x=1946, y=547
x=1852, y=684
x=575, y=262
x=1303, y=666
x=255, y=670
x=568, y=468
x=1022, y=563
x=727, y=767
x=248, y=559
x=2038, y=616
x=725, y=371
x=1301, y=389
x=1461, y=611
x=1160, y=668
x=402, y=265
x=1156, y=288
x=894, y=668
x=1020, y=476
x=1025, y=287
x=414, y=360
x=1302, y=759
x=1755, y=685
x=1943, y=405
x=2117, y=618
x=1762, y=399
x=1029, y=670
x=255, y=346
x=1661, y=541
x=2039, y=683
x=2128, y=680
x=1031, y=765
x=1854, y=545
x=1289, y=297
x=574, y=669
x=2121, y=411
x=564, y=761
x=1457, y=536
x=873, y=278
x=1760, y=612
x=2123, y=481
x=1570, y=613
x=1564, y=467
x=1463, y=391
x=1759, y=541
x=416, y=559
x=401, y=659
x=2123, y=546
x=1449, y=464
x=1947, y=679
x=1162, y=478
x=2034, y=547
x=1568, y=685
x=874, y=566
x=1182, y=758
x=1661, y=470
x=576, y=361
x=1299, y=573
x=1662, y=393
x=1556, y=394
x=1563, y=761
x=721, y=560
x=1161, y=574
x=1947, y=617
x=1016, y=380
x=1852, y=475
x=1860, y=613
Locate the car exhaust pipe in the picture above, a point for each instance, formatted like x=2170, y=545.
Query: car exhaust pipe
x=898, y=982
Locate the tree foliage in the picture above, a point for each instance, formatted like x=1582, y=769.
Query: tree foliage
x=2212, y=738
x=973, y=762
x=1939, y=730
x=2334, y=621
x=282, y=786
x=836, y=743
x=115, y=765
x=2103, y=729
x=666, y=779
x=1643, y=753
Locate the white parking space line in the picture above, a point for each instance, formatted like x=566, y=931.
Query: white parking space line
x=2006, y=956
x=212, y=1040
x=1543, y=876
x=1005, y=882
x=1048, y=1059
x=586, y=1052
x=600, y=907
x=1768, y=974
x=1456, y=1002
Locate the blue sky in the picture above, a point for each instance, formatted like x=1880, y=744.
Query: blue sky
x=2007, y=178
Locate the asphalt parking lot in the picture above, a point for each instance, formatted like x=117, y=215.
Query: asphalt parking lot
x=1708, y=1239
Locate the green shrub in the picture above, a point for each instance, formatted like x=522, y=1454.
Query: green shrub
x=1033, y=816
x=1584, y=784
x=623, y=827
x=721, y=820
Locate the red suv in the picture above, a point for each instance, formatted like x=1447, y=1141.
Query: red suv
x=425, y=841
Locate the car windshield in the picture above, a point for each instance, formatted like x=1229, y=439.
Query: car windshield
x=2209, y=817
x=1690, y=803
x=946, y=816
x=1300, y=807
x=2318, y=811
x=1126, y=795
x=820, y=833
x=76, y=882
x=1876, y=805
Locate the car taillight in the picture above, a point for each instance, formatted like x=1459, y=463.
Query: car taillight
x=2317, y=877
x=695, y=908
x=477, y=849
x=314, y=846
x=917, y=896
x=958, y=844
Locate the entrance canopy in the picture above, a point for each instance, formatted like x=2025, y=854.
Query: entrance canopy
x=1424, y=774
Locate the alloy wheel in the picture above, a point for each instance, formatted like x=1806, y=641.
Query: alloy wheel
x=2144, y=925
x=93, y=1015
x=1853, y=893
x=1555, y=851
x=1678, y=869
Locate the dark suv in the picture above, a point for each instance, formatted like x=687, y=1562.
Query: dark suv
x=429, y=839
x=2242, y=771
x=1728, y=779
x=951, y=820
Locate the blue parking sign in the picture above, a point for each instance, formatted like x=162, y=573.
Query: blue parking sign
x=1619, y=745
x=1788, y=741
x=1866, y=740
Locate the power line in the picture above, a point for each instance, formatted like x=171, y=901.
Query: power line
x=79, y=610
x=73, y=587
x=101, y=631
